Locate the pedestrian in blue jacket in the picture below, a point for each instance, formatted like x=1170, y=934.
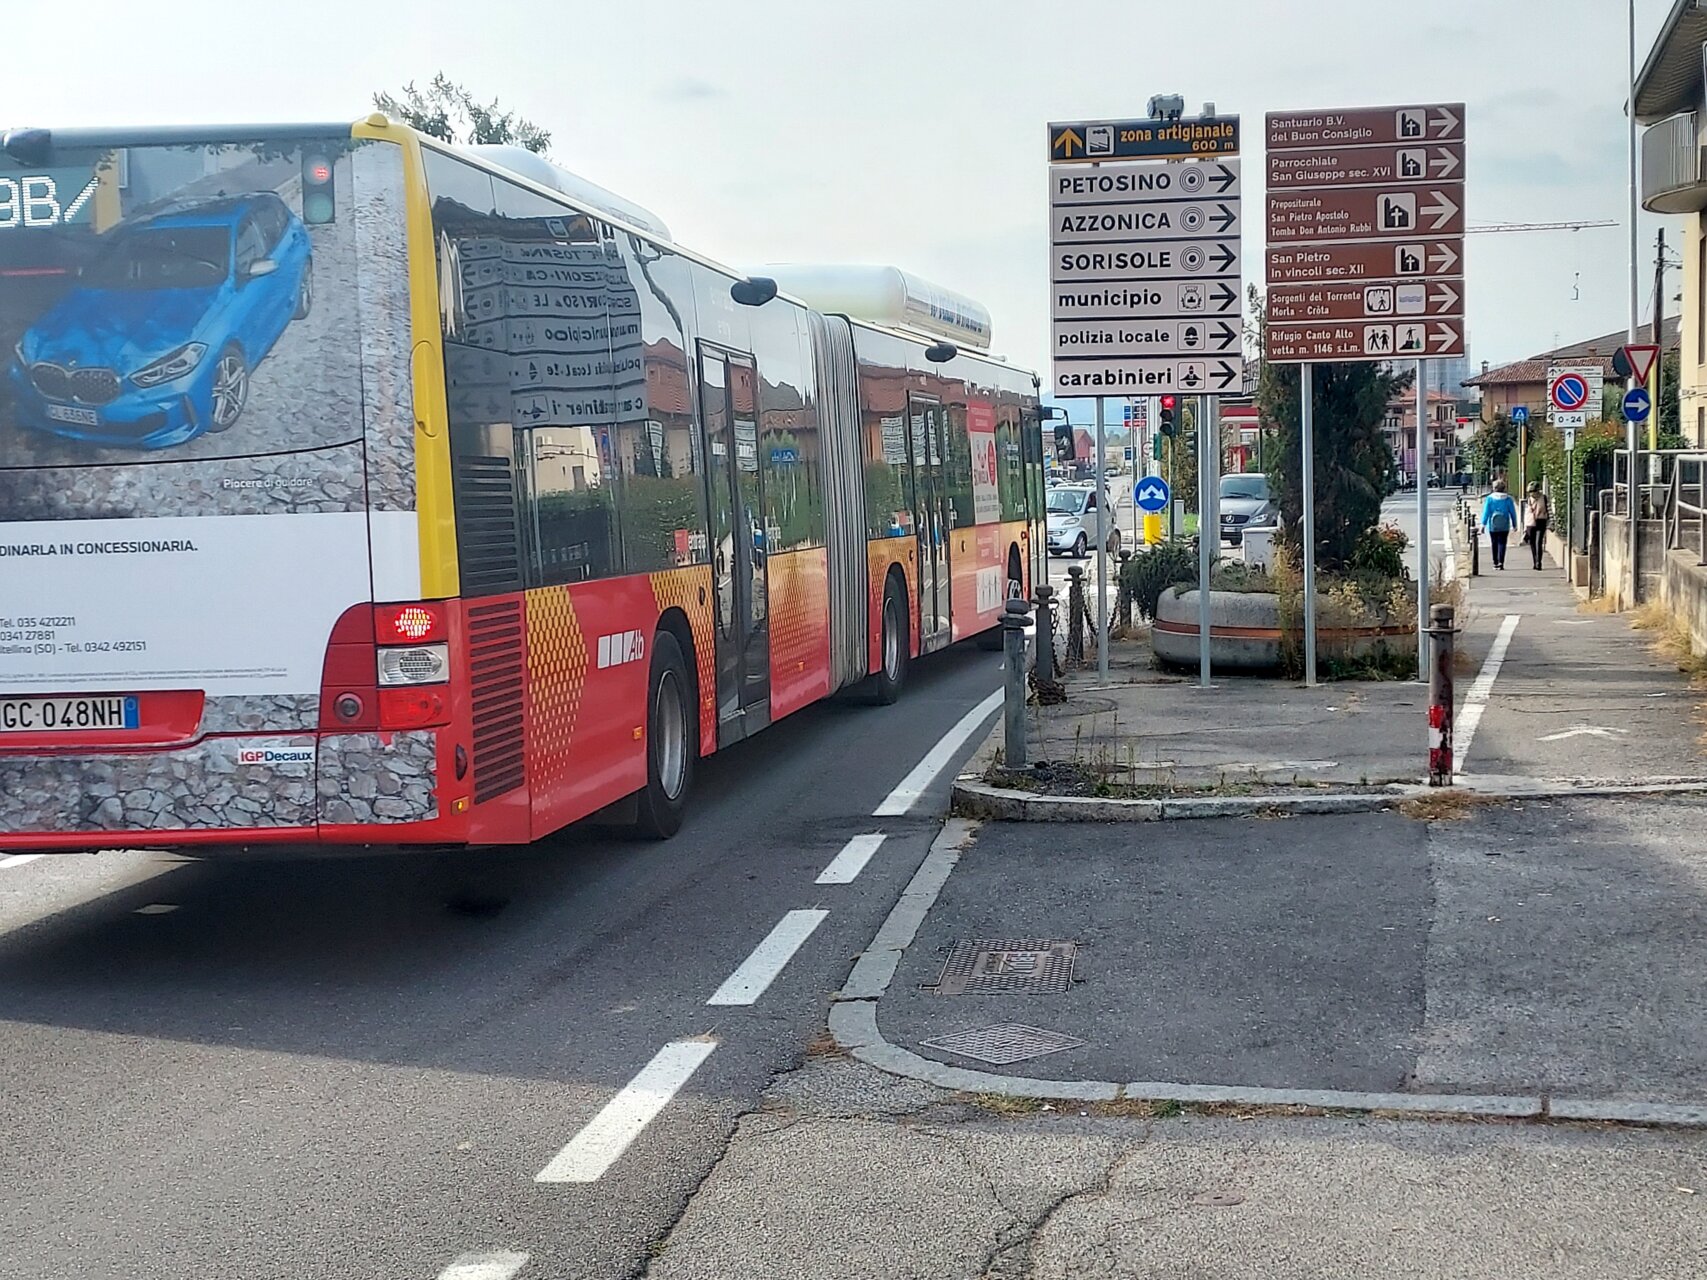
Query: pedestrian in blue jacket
x=1499, y=518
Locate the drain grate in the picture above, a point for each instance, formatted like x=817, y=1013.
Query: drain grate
x=1003, y=1043
x=1032, y=966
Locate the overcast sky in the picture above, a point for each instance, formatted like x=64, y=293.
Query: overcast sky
x=912, y=132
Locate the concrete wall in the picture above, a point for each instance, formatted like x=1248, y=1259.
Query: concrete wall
x=1683, y=591
x=1615, y=558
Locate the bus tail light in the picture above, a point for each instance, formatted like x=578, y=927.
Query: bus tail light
x=409, y=623
x=414, y=664
x=412, y=708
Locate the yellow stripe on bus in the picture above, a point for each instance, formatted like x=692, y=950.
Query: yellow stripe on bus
x=435, y=513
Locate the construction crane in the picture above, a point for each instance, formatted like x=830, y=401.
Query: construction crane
x=1540, y=226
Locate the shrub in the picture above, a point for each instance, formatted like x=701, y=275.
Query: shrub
x=1149, y=573
x=1381, y=551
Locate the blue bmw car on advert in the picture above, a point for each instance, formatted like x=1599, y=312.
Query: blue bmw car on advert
x=158, y=339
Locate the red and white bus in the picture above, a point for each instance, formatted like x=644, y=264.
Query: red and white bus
x=358, y=491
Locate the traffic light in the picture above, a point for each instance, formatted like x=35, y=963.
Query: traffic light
x=319, y=203
x=1167, y=426
x=1065, y=447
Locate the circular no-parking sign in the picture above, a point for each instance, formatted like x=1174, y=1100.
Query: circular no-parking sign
x=1569, y=392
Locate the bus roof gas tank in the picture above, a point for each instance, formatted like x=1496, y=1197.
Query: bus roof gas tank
x=887, y=296
x=537, y=168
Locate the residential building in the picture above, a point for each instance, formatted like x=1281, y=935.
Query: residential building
x=1444, y=432
x=1524, y=382
x=1671, y=101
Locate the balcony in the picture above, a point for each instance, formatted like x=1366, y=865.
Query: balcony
x=1673, y=180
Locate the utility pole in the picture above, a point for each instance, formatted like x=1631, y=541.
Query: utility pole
x=1633, y=578
x=1658, y=341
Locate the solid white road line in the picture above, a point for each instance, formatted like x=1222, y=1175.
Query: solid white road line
x=498, y=1264
x=760, y=969
x=845, y=867
x=1464, y=730
x=907, y=792
x=18, y=860
x=622, y=1119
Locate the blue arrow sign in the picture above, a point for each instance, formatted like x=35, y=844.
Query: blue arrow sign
x=1151, y=494
x=1520, y=414
x=1638, y=404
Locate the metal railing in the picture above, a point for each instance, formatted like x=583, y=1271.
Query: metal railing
x=1685, y=520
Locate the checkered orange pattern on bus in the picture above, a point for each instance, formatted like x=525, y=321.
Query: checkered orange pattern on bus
x=799, y=586
x=880, y=553
x=690, y=591
x=557, y=682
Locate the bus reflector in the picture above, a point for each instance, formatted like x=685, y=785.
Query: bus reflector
x=412, y=708
x=409, y=623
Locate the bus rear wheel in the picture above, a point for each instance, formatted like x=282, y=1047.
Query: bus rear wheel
x=892, y=674
x=670, y=741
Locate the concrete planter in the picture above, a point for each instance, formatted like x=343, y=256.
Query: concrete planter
x=1245, y=632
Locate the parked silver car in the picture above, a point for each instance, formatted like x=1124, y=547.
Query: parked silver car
x=1246, y=503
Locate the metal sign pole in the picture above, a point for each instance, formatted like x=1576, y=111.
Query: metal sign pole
x=1101, y=493
x=1308, y=479
x=1569, y=499
x=1422, y=524
x=1205, y=531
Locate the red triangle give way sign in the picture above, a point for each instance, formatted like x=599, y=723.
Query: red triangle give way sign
x=1641, y=357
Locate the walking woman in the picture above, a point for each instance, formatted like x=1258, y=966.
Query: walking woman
x=1535, y=517
x=1499, y=518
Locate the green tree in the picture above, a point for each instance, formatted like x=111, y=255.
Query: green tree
x=1670, y=394
x=1351, y=455
x=1492, y=446
x=449, y=112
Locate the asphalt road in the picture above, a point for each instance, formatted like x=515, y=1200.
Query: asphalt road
x=358, y=1068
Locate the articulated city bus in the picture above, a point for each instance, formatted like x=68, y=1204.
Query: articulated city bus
x=359, y=491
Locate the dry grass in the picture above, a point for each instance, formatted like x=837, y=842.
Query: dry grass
x=1671, y=640
x=1004, y=1105
x=1596, y=604
x=1445, y=804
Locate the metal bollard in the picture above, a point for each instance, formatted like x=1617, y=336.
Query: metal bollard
x=1075, y=614
x=1013, y=683
x=1440, y=633
x=1043, y=661
x=1123, y=598
x=1475, y=549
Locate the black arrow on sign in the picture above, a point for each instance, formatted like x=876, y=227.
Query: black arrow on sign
x=1225, y=296
x=1226, y=257
x=1224, y=178
x=1226, y=337
x=1225, y=219
x=1224, y=375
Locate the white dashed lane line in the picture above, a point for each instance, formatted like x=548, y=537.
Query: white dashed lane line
x=607, y=1135
x=498, y=1264
x=845, y=867
x=761, y=968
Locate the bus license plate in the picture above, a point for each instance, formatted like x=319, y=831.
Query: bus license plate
x=71, y=413
x=67, y=715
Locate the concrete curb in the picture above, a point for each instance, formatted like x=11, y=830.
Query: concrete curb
x=974, y=798
x=853, y=1024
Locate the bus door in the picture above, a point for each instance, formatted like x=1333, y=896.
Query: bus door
x=739, y=542
x=928, y=441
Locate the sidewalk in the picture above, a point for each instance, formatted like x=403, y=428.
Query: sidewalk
x=1546, y=693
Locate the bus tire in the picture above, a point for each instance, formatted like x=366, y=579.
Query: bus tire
x=891, y=674
x=671, y=735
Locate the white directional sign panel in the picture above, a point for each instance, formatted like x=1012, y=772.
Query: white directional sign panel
x=1145, y=278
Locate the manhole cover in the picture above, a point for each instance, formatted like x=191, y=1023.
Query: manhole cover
x=1035, y=966
x=1003, y=1043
